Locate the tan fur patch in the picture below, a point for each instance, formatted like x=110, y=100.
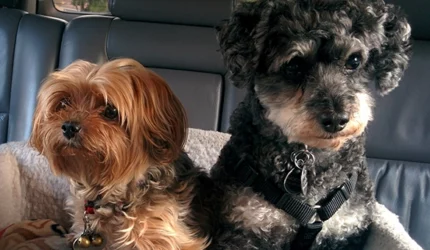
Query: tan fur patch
x=296, y=123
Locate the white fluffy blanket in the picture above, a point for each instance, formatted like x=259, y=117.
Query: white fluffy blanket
x=28, y=190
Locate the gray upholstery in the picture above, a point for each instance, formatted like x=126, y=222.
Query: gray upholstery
x=9, y=21
x=176, y=38
x=401, y=129
x=29, y=47
x=398, y=146
x=9, y=3
x=164, y=45
x=85, y=38
x=185, y=52
x=200, y=100
x=188, y=12
x=418, y=16
x=403, y=187
x=32, y=62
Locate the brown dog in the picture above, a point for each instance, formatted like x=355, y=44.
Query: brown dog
x=117, y=131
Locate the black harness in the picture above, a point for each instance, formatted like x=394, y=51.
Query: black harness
x=301, y=211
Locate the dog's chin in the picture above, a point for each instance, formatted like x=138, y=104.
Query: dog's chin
x=70, y=157
x=92, y=164
x=334, y=143
x=78, y=165
x=69, y=148
x=325, y=140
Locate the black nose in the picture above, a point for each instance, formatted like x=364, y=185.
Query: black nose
x=333, y=123
x=70, y=129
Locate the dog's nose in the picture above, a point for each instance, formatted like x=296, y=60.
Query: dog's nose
x=334, y=122
x=70, y=129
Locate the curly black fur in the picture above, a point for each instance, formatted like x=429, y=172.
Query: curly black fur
x=284, y=49
x=247, y=38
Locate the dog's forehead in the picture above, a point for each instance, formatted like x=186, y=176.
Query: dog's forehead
x=295, y=27
x=82, y=93
x=323, y=18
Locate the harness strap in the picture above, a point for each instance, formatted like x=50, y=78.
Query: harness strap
x=336, y=198
x=306, y=236
x=301, y=211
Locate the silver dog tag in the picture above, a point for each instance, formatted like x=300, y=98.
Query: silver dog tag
x=304, y=181
x=301, y=159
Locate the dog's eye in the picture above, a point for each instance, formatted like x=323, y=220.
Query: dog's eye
x=63, y=104
x=294, y=65
x=353, y=62
x=110, y=112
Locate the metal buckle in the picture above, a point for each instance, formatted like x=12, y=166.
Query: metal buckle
x=344, y=191
x=315, y=217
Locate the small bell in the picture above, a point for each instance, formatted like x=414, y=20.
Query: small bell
x=88, y=239
x=84, y=242
x=96, y=240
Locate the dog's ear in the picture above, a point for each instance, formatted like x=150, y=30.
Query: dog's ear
x=167, y=125
x=157, y=118
x=36, y=140
x=237, y=41
x=391, y=60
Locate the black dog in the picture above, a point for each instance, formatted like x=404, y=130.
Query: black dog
x=294, y=175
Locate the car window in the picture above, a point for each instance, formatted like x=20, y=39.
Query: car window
x=86, y=6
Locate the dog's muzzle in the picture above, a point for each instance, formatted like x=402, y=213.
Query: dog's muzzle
x=333, y=122
x=70, y=129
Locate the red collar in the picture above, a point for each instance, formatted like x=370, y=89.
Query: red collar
x=90, y=206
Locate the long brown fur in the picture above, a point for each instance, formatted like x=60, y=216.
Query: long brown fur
x=132, y=160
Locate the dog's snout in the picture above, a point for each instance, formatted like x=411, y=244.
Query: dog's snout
x=70, y=129
x=333, y=122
